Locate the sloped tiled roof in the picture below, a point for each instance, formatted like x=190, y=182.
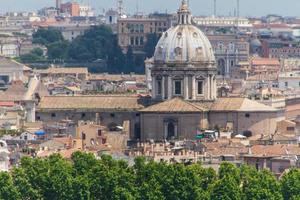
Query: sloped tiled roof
x=15, y=92
x=239, y=104
x=118, y=103
x=265, y=61
x=275, y=150
x=64, y=70
x=225, y=148
x=279, y=137
x=10, y=63
x=174, y=105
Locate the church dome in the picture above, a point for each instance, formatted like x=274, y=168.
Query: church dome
x=184, y=43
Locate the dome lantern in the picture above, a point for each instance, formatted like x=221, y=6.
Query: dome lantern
x=184, y=14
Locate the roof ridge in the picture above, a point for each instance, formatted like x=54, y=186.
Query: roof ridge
x=190, y=103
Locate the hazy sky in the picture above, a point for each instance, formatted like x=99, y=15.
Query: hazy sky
x=199, y=7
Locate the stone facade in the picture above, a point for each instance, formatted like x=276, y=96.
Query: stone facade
x=107, y=119
x=133, y=31
x=194, y=83
x=229, y=51
x=255, y=122
x=167, y=126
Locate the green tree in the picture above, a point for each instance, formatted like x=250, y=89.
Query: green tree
x=99, y=42
x=261, y=185
x=35, y=55
x=130, y=65
x=225, y=189
x=229, y=170
x=7, y=189
x=37, y=51
x=47, y=36
x=152, y=39
x=23, y=186
x=290, y=184
x=58, y=50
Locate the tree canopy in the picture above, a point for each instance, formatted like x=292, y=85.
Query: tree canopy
x=85, y=177
x=97, y=44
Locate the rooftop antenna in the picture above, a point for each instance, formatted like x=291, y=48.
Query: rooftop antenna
x=215, y=8
x=137, y=7
x=238, y=9
x=120, y=7
x=237, y=15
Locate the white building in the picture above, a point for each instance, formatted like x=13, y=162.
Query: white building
x=111, y=17
x=10, y=70
x=72, y=31
x=222, y=21
x=289, y=80
x=86, y=11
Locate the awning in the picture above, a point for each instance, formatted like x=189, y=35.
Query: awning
x=40, y=133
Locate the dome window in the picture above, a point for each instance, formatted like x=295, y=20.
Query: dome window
x=179, y=34
x=195, y=34
x=160, y=49
x=178, y=51
x=199, y=52
x=166, y=34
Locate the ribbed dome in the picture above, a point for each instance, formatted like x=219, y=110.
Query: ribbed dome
x=184, y=43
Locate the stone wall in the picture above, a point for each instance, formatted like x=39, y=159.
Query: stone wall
x=153, y=125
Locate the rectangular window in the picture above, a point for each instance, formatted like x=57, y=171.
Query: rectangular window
x=286, y=84
x=177, y=87
x=99, y=133
x=159, y=87
x=131, y=40
x=137, y=41
x=141, y=40
x=200, y=87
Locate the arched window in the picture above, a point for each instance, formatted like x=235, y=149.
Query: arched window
x=220, y=46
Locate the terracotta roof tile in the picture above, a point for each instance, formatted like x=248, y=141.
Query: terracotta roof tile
x=120, y=103
x=174, y=105
x=275, y=150
x=64, y=70
x=239, y=104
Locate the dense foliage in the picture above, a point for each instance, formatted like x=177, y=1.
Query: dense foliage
x=99, y=42
x=47, y=36
x=150, y=45
x=96, y=45
x=85, y=177
x=36, y=55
